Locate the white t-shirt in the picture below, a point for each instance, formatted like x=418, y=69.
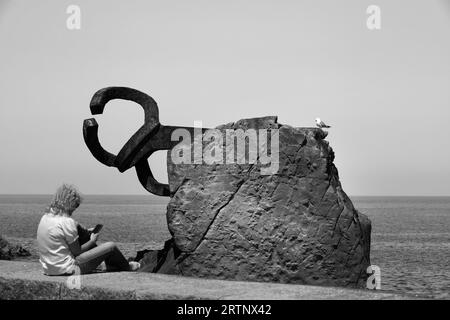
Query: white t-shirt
x=54, y=234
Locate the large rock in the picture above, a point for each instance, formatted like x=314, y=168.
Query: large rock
x=295, y=226
x=9, y=252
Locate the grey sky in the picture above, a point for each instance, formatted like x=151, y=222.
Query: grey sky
x=386, y=93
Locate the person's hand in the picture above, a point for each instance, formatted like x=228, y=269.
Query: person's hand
x=94, y=237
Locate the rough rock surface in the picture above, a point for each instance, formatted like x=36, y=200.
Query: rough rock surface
x=296, y=226
x=9, y=252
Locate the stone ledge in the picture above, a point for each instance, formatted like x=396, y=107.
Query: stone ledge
x=25, y=280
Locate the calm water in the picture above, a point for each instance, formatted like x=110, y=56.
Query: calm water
x=410, y=235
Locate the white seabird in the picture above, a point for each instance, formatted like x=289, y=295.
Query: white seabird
x=321, y=124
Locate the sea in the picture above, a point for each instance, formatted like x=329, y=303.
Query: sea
x=410, y=240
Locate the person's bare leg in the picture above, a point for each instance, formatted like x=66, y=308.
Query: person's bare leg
x=108, y=252
x=115, y=261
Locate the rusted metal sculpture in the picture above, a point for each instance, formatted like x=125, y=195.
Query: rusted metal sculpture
x=151, y=137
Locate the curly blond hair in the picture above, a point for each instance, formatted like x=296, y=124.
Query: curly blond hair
x=66, y=199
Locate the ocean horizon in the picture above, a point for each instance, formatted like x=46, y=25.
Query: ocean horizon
x=410, y=239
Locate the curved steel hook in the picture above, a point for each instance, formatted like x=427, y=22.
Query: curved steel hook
x=139, y=138
x=149, y=182
x=103, y=96
x=151, y=137
x=90, y=135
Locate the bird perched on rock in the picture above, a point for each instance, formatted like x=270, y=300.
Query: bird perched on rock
x=321, y=124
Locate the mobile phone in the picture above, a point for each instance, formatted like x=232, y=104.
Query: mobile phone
x=97, y=228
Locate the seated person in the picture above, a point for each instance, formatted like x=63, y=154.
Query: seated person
x=60, y=248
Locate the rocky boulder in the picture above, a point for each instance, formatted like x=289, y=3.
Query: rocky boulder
x=229, y=221
x=9, y=252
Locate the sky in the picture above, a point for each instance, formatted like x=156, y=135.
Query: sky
x=385, y=92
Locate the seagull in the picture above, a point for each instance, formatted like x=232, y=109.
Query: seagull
x=321, y=124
